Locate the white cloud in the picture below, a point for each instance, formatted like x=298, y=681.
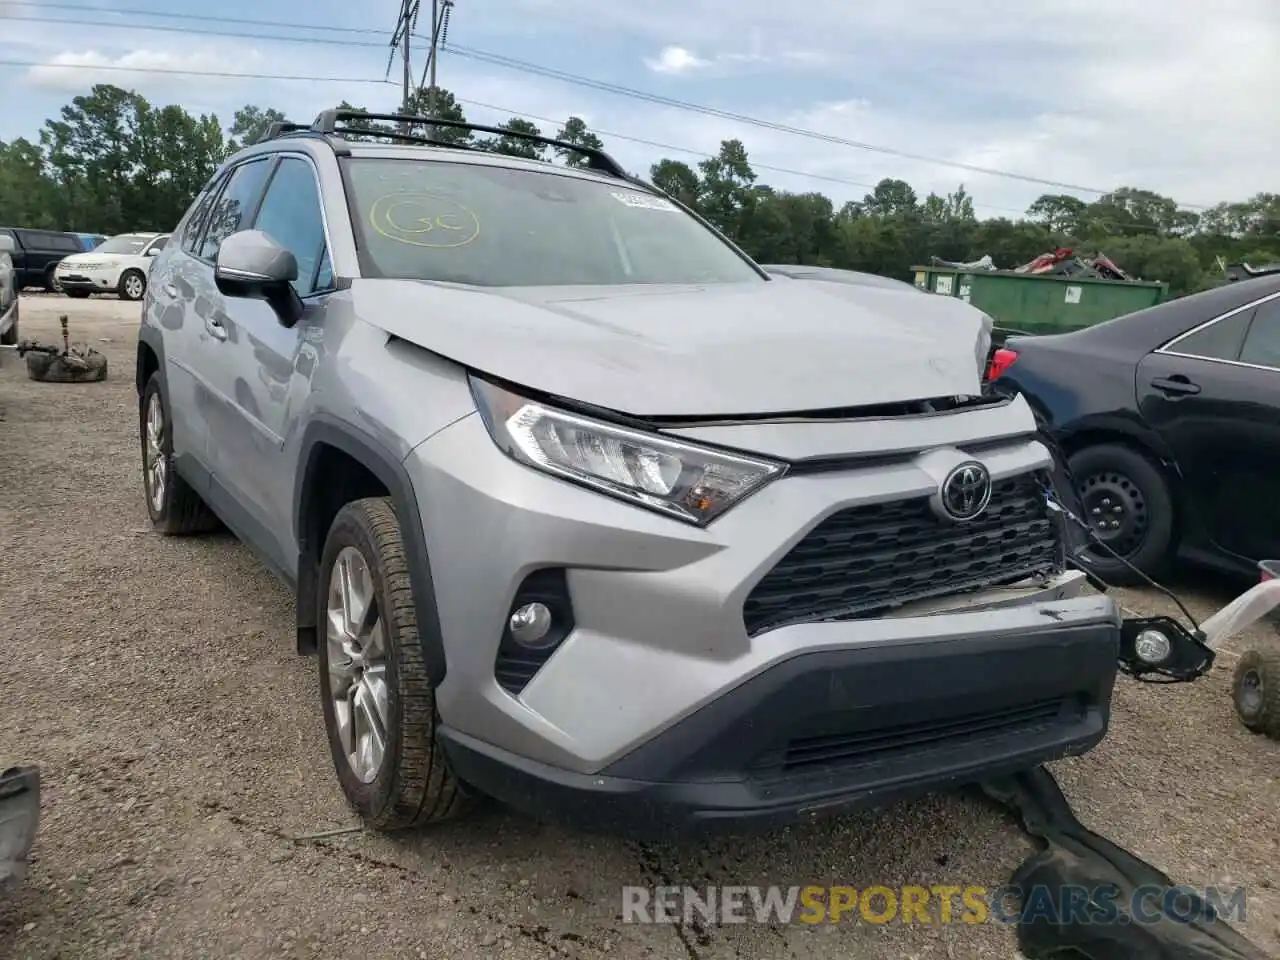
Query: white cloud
x=1162, y=96
x=676, y=60
x=75, y=72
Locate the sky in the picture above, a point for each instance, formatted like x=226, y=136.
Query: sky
x=1163, y=95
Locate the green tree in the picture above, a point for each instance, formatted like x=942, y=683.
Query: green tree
x=1058, y=213
x=517, y=146
x=250, y=123
x=676, y=179
x=446, y=107
x=575, y=131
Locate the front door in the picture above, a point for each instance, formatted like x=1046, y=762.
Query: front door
x=1214, y=396
x=263, y=374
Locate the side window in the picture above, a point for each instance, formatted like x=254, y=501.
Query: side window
x=158, y=244
x=234, y=204
x=290, y=214
x=1218, y=341
x=199, y=215
x=1262, y=345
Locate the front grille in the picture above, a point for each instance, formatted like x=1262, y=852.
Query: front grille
x=866, y=560
x=887, y=743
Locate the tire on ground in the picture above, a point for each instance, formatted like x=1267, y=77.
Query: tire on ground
x=1260, y=714
x=1154, y=553
x=77, y=294
x=48, y=368
x=181, y=511
x=414, y=785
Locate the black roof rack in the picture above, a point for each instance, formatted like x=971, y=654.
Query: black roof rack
x=336, y=123
x=279, y=128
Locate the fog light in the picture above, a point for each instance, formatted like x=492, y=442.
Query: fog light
x=1152, y=647
x=530, y=624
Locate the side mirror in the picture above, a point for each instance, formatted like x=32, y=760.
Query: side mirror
x=151, y=252
x=7, y=245
x=252, y=265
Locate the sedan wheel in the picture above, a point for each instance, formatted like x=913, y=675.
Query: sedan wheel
x=357, y=665
x=1116, y=509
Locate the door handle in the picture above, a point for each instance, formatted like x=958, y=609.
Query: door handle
x=216, y=329
x=1176, y=385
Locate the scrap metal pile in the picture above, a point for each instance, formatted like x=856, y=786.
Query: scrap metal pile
x=70, y=363
x=1063, y=262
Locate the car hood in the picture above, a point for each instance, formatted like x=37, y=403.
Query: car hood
x=783, y=346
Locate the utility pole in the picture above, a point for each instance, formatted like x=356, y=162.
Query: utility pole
x=431, y=57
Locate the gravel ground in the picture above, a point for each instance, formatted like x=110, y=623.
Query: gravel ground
x=182, y=748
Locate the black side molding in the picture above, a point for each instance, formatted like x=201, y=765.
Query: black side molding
x=360, y=446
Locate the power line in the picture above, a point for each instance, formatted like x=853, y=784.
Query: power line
x=219, y=74
x=524, y=66
x=618, y=90
x=134, y=12
x=235, y=34
x=829, y=178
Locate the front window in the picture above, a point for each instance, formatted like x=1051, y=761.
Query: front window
x=125, y=243
x=498, y=227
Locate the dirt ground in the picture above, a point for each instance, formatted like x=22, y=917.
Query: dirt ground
x=154, y=680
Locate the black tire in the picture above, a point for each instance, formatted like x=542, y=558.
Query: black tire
x=414, y=785
x=1110, y=476
x=51, y=280
x=1255, y=689
x=180, y=511
x=126, y=281
x=77, y=294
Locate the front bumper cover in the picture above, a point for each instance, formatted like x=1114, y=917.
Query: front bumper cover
x=827, y=731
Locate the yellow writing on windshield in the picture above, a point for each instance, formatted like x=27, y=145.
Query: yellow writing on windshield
x=424, y=220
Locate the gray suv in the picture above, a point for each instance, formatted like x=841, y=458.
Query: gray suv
x=586, y=512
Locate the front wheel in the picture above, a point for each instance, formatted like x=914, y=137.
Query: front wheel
x=378, y=702
x=1128, y=506
x=51, y=280
x=132, y=285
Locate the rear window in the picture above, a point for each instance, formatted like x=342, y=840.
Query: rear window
x=124, y=243
x=499, y=226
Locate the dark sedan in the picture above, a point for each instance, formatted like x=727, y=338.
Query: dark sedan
x=1170, y=420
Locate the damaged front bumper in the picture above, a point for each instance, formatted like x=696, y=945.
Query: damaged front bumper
x=19, y=821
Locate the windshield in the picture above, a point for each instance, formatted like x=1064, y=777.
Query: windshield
x=497, y=227
x=125, y=243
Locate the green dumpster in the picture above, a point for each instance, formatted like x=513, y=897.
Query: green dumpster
x=1034, y=303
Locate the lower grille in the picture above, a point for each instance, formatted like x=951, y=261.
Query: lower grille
x=866, y=560
x=887, y=743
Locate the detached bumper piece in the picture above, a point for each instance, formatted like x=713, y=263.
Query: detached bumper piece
x=824, y=732
x=1083, y=896
x=19, y=821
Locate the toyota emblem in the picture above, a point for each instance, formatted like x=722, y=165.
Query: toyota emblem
x=966, y=491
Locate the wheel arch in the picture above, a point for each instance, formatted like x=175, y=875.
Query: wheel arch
x=1142, y=442
x=338, y=463
x=150, y=357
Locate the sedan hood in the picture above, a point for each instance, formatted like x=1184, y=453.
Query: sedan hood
x=783, y=346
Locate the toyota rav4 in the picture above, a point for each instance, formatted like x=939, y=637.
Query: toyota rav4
x=587, y=512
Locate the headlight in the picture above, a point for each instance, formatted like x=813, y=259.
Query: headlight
x=688, y=482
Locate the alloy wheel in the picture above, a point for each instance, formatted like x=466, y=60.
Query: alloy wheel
x=156, y=465
x=357, y=654
x=133, y=286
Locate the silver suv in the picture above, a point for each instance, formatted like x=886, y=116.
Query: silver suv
x=586, y=512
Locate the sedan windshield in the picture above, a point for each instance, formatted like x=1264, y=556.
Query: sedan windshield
x=498, y=226
x=125, y=243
